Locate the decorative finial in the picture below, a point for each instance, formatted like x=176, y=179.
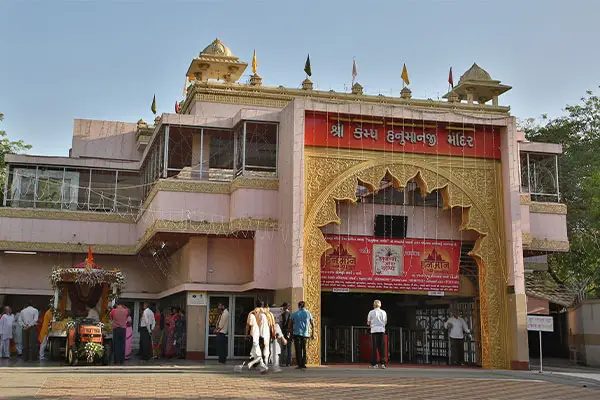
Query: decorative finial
x=255, y=80
x=357, y=88
x=405, y=93
x=307, y=84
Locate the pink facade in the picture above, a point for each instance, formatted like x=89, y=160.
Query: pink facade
x=226, y=222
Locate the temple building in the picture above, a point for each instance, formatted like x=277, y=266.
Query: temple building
x=248, y=192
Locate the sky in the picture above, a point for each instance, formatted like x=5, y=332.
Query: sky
x=105, y=59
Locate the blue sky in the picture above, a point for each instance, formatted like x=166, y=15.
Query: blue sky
x=61, y=60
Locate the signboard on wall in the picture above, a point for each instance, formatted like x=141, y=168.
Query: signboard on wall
x=400, y=135
x=540, y=323
x=196, y=298
x=366, y=262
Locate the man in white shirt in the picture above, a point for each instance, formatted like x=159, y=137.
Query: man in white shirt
x=146, y=327
x=376, y=320
x=29, y=319
x=457, y=327
x=6, y=332
x=221, y=330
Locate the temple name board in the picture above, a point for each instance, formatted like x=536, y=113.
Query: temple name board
x=370, y=133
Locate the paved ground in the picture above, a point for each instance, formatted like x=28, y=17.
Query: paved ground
x=179, y=381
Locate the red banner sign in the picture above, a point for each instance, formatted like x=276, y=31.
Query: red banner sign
x=365, y=262
x=373, y=133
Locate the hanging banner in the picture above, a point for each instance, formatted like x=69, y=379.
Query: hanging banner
x=365, y=262
x=408, y=136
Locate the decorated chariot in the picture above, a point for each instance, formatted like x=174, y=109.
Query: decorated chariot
x=85, y=286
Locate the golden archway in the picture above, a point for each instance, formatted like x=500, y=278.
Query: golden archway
x=474, y=185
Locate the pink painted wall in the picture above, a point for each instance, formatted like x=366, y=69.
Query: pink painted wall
x=60, y=231
x=548, y=226
x=31, y=272
x=230, y=260
x=255, y=203
x=290, y=197
x=537, y=306
x=105, y=139
x=423, y=222
x=265, y=259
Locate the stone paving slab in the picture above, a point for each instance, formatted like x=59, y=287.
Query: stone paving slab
x=330, y=383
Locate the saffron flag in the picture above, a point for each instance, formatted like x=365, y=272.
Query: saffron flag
x=307, y=66
x=153, y=107
x=254, y=62
x=354, y=70
x=176, y=107
x=404, y=75
x=450, y=79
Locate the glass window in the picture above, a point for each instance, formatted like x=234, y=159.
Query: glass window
x=49, y=188
x=83, y=192
x=102, y=191
x=22, y=187
x=129, y=193
x=261, y=147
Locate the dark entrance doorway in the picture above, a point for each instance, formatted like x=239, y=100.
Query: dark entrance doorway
x=415, y=329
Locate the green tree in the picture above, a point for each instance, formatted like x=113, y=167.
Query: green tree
x=579, y=179
x=8, y=146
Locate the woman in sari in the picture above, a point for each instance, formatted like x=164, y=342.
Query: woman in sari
x=128, y=338
x=180, y=334
x=157, y=334
x=170, y=333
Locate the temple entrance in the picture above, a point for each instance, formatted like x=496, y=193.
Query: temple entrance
x=402, y=248
x=415, y=329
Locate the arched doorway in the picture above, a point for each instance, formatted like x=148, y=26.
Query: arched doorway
x=471, y=185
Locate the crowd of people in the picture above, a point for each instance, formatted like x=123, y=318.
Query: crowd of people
x=163, y=334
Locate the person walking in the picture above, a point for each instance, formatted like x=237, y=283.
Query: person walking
x=298, y=324
x=44, y=330
x=221, y=330
x=286, y=350
x=457, y=328
x=119, y=324
x=29, y=318
x=377, y=320
x=6, y=332
x=146, y=326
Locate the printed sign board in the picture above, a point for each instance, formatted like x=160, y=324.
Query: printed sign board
x=365, y=262
x=196, y=299
x=540, y=323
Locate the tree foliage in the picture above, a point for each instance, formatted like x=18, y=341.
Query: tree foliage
x=8, y=146
x=579, y=179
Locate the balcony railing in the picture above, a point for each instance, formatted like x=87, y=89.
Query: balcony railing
x=539, y=176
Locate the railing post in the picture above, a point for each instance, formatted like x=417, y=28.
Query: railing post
x=166, y=155
x=325, y=342
x=202, y=153
x=401, y=348
x=352, y=343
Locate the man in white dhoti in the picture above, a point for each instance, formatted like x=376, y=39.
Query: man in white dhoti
x=256, y=318
x=276, y=348
x=6, y=332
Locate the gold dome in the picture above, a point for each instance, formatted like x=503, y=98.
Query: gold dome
x=217, y=48
x=475, y=73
